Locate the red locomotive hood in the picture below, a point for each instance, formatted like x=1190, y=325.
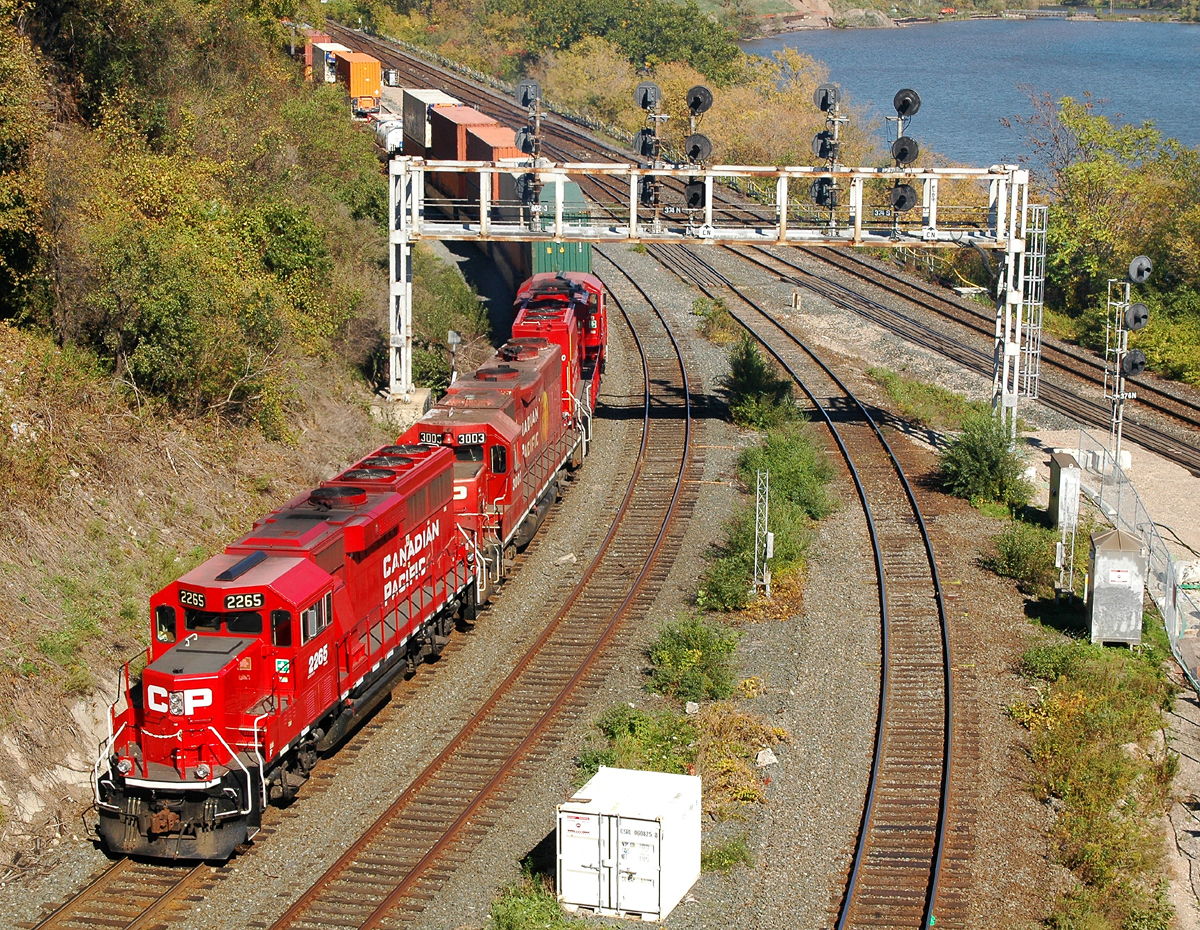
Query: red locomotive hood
x=187, y=692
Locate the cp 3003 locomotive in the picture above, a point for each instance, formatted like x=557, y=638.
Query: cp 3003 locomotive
x=267, y=655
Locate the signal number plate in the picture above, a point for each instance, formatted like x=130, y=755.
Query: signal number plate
x=243, y=601
x=191, y=598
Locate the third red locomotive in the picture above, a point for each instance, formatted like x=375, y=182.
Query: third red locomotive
x=268, y=654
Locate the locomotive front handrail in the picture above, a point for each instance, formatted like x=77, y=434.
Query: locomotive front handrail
x=249, y=781
x=103, y=757
x=262, y=770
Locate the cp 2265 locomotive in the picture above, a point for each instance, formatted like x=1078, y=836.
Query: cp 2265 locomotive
x=268, y=654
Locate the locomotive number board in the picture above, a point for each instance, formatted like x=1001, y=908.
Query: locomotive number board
x=243, y=601
x=191, y=598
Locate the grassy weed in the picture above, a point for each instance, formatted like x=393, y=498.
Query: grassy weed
x=724, y=857
x=926, y=404
x=759, y=397
x=637, y=739
x=530, y=904
x=1091, y=721
x=717, y=323
x=692, y=660
x=799, y=468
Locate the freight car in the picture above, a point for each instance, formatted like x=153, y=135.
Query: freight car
x=267, y=655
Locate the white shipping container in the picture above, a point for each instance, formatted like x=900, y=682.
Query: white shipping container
x=416, y=106
x=324, y=64
x=629, y=843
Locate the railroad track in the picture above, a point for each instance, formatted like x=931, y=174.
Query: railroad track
x=1065, y=400
x=128, y=895
x=896, y=878
x=396, y=867
x=1070, y=361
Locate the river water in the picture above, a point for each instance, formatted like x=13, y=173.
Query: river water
x=970, y=75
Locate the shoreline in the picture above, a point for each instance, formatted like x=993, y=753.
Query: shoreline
x=880, y=20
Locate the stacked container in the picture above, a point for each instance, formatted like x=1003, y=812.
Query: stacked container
x=324, y=64
x=311, y=38
x=360, y=73
x=448, y=134
x=488, y=143
x=629, y=843
x=417, y=104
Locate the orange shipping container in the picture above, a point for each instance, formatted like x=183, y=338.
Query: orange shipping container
x=448, y=131
x=490, y=143
x=311, y=37
x=361, y=75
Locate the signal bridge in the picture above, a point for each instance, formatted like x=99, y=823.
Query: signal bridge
x=986, y=208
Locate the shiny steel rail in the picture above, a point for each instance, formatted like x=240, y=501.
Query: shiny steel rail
x=894, y=878
x=396, y=867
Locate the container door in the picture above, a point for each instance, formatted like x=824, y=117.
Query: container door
x=639, y=866
x=579, y=859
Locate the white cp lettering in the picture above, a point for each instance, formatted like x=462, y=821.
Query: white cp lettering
x=193, y=699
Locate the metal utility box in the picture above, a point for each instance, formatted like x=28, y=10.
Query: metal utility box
x=1065, y=476
x=629, y=843
x=416, y=104
x=324, y=61
x=1116, y=585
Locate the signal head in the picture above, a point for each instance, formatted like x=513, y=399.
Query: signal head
x=1133, y=363
x=1136, y=316
x=694, y=195
x=528, y=93
x=823, y=145
x=524, y=188
x=699, y=99
x=907, y=102
x=647, y=95
x=524, y=140
x=643, y=142
x=902, y=197
x=697, y=148
x=646, y=190
x=905, y=150
x=827, y=96
x=1139, y=269
x=823, y=192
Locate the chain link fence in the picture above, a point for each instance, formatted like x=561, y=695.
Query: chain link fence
x=1105, y=484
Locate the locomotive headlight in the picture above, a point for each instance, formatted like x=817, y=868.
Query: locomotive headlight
x=176, y=702
x=124, y=766
x=203, y=771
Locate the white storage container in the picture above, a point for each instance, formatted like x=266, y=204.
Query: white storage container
x=629, y=843
x=324, y=64
x=416, y=106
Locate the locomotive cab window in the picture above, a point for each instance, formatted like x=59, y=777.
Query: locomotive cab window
x=240, y=622
x=315, y=618
x=499, y=460
x=281, y=627
x=469, y=453
x=164, y=623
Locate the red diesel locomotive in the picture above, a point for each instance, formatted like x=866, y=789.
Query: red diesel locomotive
x=268, y=654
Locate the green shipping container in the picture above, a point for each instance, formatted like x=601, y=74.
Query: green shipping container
x=563, y=256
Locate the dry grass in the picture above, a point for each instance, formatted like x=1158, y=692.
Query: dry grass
x=729, y=738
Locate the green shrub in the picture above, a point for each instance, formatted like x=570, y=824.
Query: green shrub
x=758, y=396
x=982, y=464
x=692, y=660
x=725, y=856
x=799, y=468
x=1025, y=553
x=662, y=742
x=1096, y=703
x=725, y=582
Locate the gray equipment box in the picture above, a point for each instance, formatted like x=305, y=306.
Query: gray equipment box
x=1116, y=586
x=1065, y=475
